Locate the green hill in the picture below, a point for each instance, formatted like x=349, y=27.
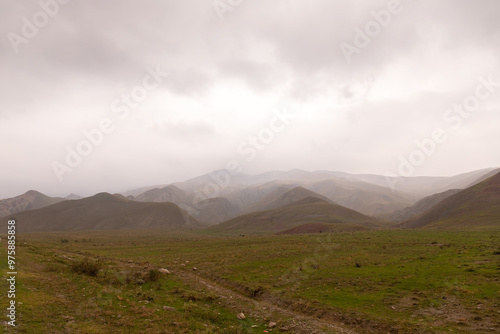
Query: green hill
x=305, y=211
x=474, y=207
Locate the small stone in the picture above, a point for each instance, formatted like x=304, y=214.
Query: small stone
x=241, y=316
x=254, y=326
x=164, y=271
x=195, y=269
x=272, y=324
x=168, y=308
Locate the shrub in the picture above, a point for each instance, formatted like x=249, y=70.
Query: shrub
x=255, y=290
x=193, y=296
x=140, y=277
x=153, y=275
x=134, y=277
x=87, y=267
x=110, y=277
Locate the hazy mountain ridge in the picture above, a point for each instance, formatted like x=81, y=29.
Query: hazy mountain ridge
x=216, y=210
x=476, y=206
x=73, y=196
x=484, y=177
x=169, y=193
x=104, y=212
x=294, y=215
x=369, y=199
x=250, y=198
x=282, y=198
x=30, y=200
x=421, y=206
x=369, y=194
x=422, y=186
x=278, y=195
x=212, y=210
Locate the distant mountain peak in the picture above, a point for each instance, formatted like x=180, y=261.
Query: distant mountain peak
x=73, y=196
x=33, y=193
x=104, y=196
x=30, y=200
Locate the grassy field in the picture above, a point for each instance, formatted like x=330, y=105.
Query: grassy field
x=396, y=281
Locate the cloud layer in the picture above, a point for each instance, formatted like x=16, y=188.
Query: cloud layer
x=226, y=79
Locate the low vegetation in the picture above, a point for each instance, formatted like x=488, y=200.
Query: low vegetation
x=86, y=266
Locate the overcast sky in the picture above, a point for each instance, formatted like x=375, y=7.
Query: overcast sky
x=358, y=92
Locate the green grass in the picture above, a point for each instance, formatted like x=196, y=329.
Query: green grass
x=373, y=281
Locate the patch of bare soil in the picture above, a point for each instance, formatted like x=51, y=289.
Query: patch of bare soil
x=451, y=311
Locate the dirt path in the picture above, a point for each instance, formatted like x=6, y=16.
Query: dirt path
x=286, y=320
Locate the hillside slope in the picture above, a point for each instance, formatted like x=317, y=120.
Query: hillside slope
x=169, y=193
x=305, y=211
x=31, y=200
x=285, y=196
x=103, y=212
x=212, y=210
x=484, y=177
x=249, y=199
x=474, y=207
x=215, y=210
x=421, y=206
x=369, y=199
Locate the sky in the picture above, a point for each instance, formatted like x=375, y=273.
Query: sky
x=114, y=95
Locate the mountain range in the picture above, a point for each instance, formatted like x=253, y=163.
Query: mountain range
x=276, y=202
x=297, y=216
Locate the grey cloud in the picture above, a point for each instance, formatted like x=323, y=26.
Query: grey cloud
x=256, y=75
x=186, y=131
x=190, y=82
x=393, y=92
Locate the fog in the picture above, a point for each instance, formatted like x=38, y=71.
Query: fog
x=108, y=96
